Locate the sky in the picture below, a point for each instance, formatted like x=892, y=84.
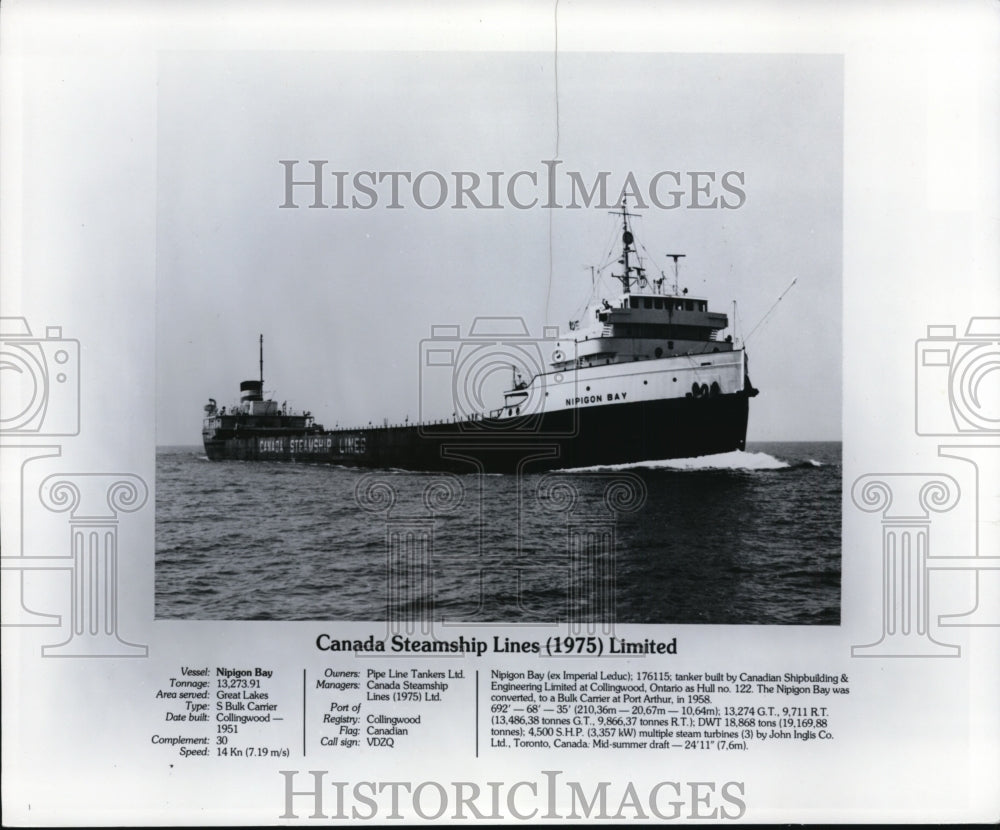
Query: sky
x=346, y=298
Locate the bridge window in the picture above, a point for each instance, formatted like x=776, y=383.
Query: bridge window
x=647, y=302
x=633, y=302
x=689, y=305
x=658, y=303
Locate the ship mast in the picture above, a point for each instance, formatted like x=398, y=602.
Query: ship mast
x=262, y=362
x=626, y=277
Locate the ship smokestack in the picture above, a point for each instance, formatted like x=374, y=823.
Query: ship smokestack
x=251, y=390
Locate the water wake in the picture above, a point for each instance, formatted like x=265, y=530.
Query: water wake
x=735, y=460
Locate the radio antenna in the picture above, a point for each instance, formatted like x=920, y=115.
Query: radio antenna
x=675, y=258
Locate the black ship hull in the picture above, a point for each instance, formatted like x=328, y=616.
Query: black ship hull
x=581, y=437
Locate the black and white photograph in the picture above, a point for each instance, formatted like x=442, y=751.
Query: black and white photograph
x=547, y=282
x=561, y=413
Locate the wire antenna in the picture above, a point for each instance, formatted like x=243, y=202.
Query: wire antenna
x=772, y=308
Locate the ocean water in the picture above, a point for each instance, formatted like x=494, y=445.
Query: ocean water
x=740, y=538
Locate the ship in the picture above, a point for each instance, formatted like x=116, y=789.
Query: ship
x=643, y=376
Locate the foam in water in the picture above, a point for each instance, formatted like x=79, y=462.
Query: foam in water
x=735, y=460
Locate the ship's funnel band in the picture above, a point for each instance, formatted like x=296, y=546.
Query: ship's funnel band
x=251, y=390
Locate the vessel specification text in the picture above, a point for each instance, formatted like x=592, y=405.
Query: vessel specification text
x=246, y=712
x=659, y=710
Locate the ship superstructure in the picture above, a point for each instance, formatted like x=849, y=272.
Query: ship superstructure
x=253, y=417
